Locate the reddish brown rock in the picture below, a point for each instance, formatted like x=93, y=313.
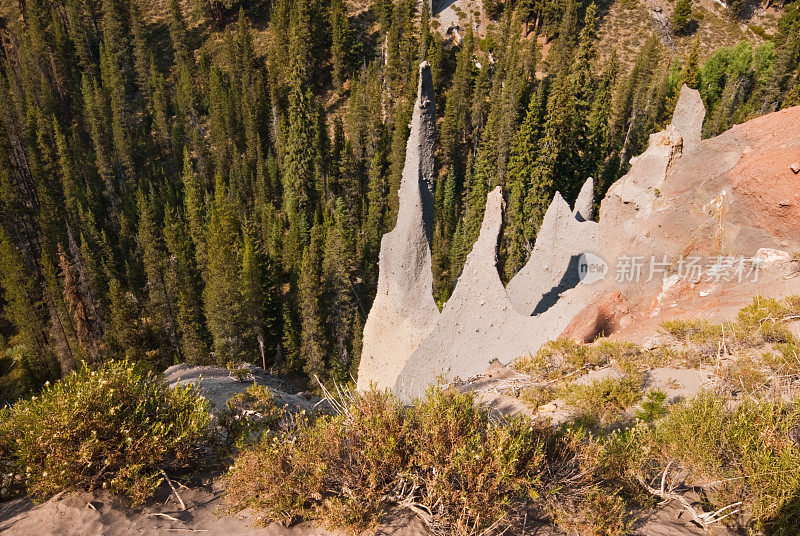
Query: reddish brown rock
x=600, y=318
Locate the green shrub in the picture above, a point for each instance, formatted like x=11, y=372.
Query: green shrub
x=239, y=371
x=601, y=513
x=248, y=414
x=441, y=457
x=763, y=322
x=787, y=360
x=758, y=30
x=746, y=374
x=463, y=473
x=115, y=427
x=693, y=331
x=605, y=399
x=563, y=356
x=747, y=454
x=303, y=474
x=532, y=365
x=535, y=396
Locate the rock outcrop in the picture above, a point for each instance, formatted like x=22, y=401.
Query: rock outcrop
x=600, y=318
x=681, y=196
x=687, y=119
x=480, y=323
x=404, y=312
x=407, y=343
x=727, y=197
x=662, y=24
x=552, y=268
x=638, y=191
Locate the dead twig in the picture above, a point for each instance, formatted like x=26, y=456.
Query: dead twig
x=341, y=402
x=165, y=516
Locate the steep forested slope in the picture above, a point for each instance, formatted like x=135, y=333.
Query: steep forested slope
x=209, y=181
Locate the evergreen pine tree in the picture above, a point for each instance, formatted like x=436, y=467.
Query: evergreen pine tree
x=221, y=294
x=682, y=16
x=123, y=338
x=341, y=42
x=194, y=201
x=27, y=315
x=339, y=300
x=298, y=175
x=161, y=289
x=527, y=200
x=259, y=302
x=290, y=339
x=194, y=336
x=312, y=334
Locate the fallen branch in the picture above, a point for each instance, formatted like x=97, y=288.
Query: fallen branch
x=704, y=519
x=175, y=491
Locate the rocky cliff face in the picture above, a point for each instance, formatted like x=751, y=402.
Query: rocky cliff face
x=676, y=199
x=483, y=321
x=719, y=202
x=638, y=191
x=552, y=269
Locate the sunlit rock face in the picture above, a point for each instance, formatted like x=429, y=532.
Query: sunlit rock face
x=404, y=311
x=480, y=323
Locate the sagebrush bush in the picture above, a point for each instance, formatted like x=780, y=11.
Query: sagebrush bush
x=535, y=396
x=763, y=321
x=441, y=457
x=463, y=473
x=746, y=454
x=693, y=331
x=564, y=357
x=248, y=414
x=115, y=427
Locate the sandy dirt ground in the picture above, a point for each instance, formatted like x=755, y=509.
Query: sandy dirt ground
x=86, y=514
x=95, y=514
